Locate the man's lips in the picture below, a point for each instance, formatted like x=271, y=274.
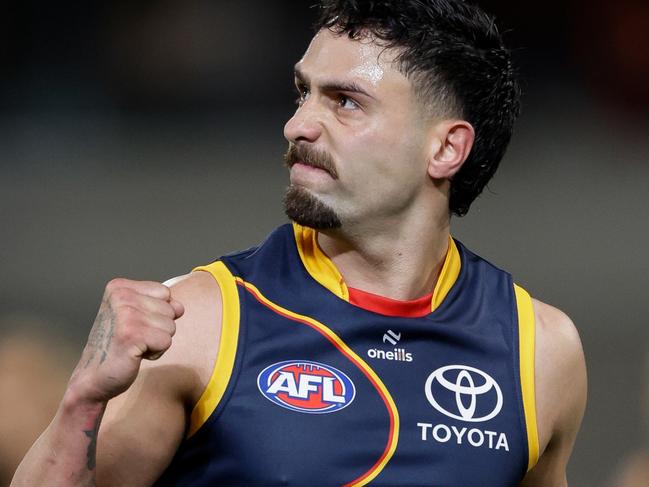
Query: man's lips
x=310, y=167
x=308, y=175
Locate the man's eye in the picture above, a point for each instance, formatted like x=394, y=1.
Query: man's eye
x=302, y=95
x=347, y=103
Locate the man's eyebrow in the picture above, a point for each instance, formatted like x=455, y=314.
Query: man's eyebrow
x=333, y=86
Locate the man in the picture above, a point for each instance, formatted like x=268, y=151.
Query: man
x=362, y=345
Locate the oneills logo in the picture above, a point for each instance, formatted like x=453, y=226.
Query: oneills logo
x=396, y=354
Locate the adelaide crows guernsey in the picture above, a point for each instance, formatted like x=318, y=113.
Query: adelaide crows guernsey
x=315, y=385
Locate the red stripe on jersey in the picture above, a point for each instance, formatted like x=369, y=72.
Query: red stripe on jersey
x=391, y=307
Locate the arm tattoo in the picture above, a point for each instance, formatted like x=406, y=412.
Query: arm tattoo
x=101, y=334
x=91, y=455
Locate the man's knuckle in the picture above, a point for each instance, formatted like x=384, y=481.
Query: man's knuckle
x=121, y=296
x=115, y=283
x=164, y=291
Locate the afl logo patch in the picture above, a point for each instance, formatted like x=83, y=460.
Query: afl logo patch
x=306, y=387
x=464, y=393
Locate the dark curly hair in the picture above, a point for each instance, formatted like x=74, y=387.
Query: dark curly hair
x=454, y=55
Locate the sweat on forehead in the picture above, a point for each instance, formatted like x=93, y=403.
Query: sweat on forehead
x=364, y=58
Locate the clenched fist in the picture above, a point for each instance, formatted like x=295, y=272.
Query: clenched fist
x=135, y=322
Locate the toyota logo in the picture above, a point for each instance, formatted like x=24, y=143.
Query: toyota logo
x=464, y=393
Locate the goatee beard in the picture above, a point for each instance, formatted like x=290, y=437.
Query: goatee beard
x=307, y=210
x=299, y=204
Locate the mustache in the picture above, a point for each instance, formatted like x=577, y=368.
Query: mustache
x=311, y=157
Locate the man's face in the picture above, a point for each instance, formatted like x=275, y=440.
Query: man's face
x=357, y=140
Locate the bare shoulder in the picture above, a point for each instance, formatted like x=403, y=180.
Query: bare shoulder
x=560, y=363
x=561, y=390
x=560, y=371
x=553, y=324
x=196, y=340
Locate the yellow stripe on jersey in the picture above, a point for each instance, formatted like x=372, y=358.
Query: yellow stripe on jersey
x=220, y=378
x=321, y=268
x=448, y=275
x=526, y=347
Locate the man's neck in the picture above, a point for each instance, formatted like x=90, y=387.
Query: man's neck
x=400, y=263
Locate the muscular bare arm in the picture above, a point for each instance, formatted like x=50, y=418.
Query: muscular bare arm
x=561, y=390
x=122, y=417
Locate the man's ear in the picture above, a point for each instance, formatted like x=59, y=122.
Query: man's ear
x=451, y=142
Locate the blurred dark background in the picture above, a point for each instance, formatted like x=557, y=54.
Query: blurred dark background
x=142, y=138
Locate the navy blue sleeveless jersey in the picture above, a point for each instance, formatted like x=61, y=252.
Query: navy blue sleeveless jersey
x=310, y=389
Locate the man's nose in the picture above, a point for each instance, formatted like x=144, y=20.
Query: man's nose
x=305, y=125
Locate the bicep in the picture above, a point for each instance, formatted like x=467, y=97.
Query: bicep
x=142, y=429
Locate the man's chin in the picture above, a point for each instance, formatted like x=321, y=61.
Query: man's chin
x=307, y=210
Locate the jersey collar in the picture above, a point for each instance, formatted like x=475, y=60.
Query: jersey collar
x=324, y=271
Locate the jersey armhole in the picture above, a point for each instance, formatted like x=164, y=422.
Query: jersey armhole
x=222, y=372
x=526, y=349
